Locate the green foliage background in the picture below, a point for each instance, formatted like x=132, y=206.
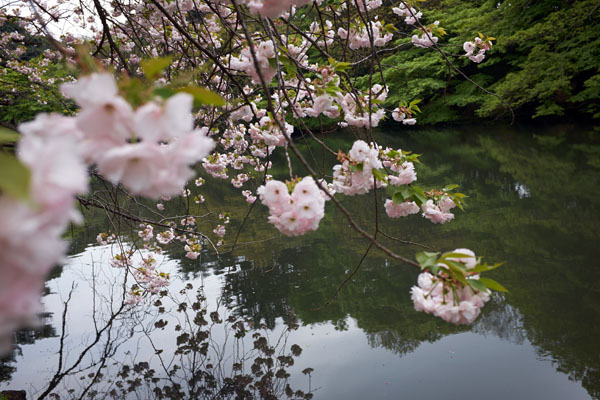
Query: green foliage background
x=544, y=62
x=20, y=98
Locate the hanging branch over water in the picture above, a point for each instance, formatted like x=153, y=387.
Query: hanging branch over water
x=225, y=85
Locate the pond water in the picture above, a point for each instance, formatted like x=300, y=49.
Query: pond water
x=534, y=202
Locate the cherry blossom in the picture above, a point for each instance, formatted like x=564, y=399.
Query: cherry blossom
x=436, y=295
x=297, y=213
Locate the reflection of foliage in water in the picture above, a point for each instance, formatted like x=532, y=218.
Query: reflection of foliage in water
x=177, y=345
x=25, y=337
x=203, y=367
x=530, y=204
x=533, y=207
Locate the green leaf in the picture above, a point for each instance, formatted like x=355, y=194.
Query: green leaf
x=397, y=198
x=419, y=194
x=406, y=192
x=332, y=90
x=155, y=66
x=492, y=284
x=486, y=267
x=134, y=90
x=456, y=255
x=427, y=259
x=477, y=285
x=342, y=66
x=8, y=135
x=459, y=276
x=356, y=167
x=455, y=266
x=289, y=65
x=435, y=269
x=451, y=186
x=203, y=96
x=164, y=92
x=14, y=177
x=379, y=174
x=390, y=28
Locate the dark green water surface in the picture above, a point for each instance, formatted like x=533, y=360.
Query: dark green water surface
x=534, y=202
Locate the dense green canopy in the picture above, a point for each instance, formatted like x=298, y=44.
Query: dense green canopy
x=544, y=62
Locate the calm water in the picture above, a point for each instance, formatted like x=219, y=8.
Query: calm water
x=534, y=202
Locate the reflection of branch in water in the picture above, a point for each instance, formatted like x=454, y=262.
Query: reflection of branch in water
x=110, y=346
x=212, y=354
x=237, y=236
x=345, y=281
x=406, y=241
x=211, y=359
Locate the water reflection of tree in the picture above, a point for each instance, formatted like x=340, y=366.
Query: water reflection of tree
x=260, y=294
x=553, y=300
x=548, y=238
x=246, y=361
x=210, y=353
x=22, y=337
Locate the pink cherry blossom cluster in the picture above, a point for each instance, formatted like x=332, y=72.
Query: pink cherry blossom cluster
x=364, y=5
x=193, y=249
x=165, y=237
x=323, y=104
x=314, y=99
x=250, y=198
x=148, y=279
x=458, y=305
x=267, y=131
x=272, y=8
x=122, y=259
x=477, y=44
x=359, y=37
x=235, y=136
x=426, y=39
x=403, y=171
x=148, y=150
x=146, y=232
x=363, y=111
x=403, y=209
x=400, y=114
x=245, y=113
x=104, y=238
x=294, y=214
x=36, y=70
x=355, y=174
x=216, y=165
x=264, y=51
x=30, y=232
x=322, y=34
x=437, y=210
x=239, y=180
x=411, y=15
